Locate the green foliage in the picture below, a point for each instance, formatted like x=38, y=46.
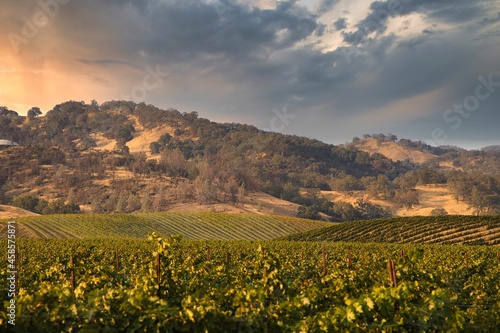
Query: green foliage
x=190, y=225
x=308, y=213
x=251, y=287
x=37, y=205
x=27, y=202
x=433, y=229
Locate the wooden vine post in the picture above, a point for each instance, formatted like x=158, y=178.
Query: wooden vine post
x=158, y=274
x=117, y=264
x=392, y=273
x=323, y=250
x=72, y=264
x=467, y=260
x=348, y=259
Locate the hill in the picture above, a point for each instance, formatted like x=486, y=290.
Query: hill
x=189, y=225
x=7, y=212
x=123, y=157
x=432, y=230
x=394, y=151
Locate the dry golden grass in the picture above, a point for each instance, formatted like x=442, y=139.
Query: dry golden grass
x=10, y=212
x=253, y=203
x=393, y=151
x=430, y=196
x=103, y=143
x=140, y=142
x=142, y=138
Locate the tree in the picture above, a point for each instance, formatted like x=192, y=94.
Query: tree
x=439, y=212
x=371, y=211
x=59, y=207
x=308, y=213
x=478, y=201
x=27, y=202
x=34, y=112
x=133, y=203
x=407, y=198
x=154, y=148
x=121, y=204
x=407, y=181
x=164, y=139
x=382, y=188
x=124, y=133
x=344, y=211
x=347, y=185
x=159, y=200
x=121, y=148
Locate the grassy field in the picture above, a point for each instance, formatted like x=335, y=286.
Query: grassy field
x=217, y=226
x=432, y=230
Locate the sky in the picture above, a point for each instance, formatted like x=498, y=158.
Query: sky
x=326, y=69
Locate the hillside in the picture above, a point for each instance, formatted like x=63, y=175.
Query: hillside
x=430, y=197
x=189, y=225
x=123, y=157
x=394, y=151
x=432, y=230
x=7, y=212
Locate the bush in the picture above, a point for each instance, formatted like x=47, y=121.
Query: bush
x=59, y=207
x=27, y=202
x=42, y=206
x=439, y=212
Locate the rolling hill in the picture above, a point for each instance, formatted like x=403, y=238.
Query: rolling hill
x=123, y=157
x=213, y=226
x=432, y=230
x=8, y=212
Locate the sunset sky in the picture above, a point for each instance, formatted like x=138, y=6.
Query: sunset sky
x=327, y=69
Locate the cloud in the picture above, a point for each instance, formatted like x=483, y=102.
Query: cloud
x=325, y=6
x=340, y=23
x=450, y=12
x=238, y=60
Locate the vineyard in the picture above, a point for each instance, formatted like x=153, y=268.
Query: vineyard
x=190, y=225
x=173, y=285
x=474, y=230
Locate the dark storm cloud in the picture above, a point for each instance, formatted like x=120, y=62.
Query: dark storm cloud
x=189, y=28
x=254, y=59
x=459, y=11
x=326, y=6
x=491, y=20
x=340, y=23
